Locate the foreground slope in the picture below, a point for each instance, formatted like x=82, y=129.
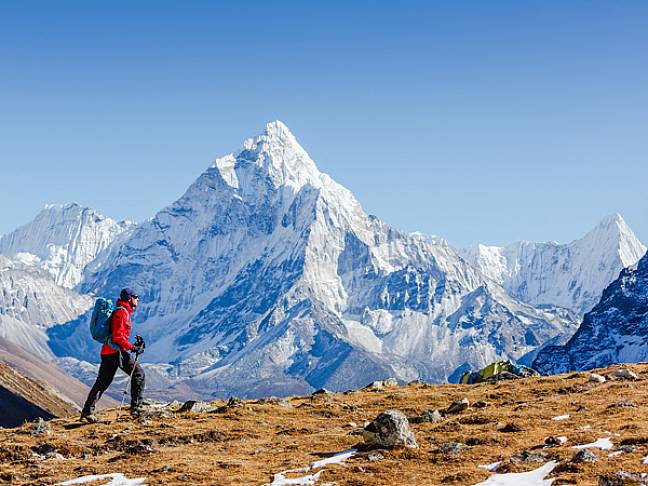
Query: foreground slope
x=247, y=443
x=24, y=399
x=47, y=374
x=615, y=331
x=267, y=277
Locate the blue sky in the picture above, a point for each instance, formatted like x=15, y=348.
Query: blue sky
x=477, y=121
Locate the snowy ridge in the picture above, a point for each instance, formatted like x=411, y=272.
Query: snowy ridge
x=571, y=275
x=62, y=239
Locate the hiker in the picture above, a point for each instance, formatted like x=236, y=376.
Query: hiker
x=115, y=355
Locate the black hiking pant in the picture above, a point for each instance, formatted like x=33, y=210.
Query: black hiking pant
x=107, y=370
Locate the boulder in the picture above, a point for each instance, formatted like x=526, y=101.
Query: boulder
x=430, y=415
x=584, y=455
x=625, y=374
x=40, y=427
x=389, y=429
x=194, y=406
x=458, y=406
x=593, y=377
x=452, y=448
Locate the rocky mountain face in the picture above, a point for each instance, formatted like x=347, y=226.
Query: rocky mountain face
x=615, y=331
x=570, y=275
x=62, y=240
x=31, y=302
x=267, y=277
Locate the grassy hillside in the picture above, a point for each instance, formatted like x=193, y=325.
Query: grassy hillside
x=246, y=443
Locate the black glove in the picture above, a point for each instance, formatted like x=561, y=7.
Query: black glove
x=139, y=345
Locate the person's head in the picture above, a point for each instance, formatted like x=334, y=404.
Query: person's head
x=130, y=296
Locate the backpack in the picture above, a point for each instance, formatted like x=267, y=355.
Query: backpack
x=100, y=322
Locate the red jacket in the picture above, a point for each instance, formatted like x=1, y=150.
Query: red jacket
x=120, y=327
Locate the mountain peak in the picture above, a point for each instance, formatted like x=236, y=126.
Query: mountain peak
x=277, y=152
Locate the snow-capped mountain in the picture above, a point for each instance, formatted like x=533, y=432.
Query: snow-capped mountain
x=267, y=277
x=570, y=275
x=615, y=331
x=31, y=302
x=62, y=240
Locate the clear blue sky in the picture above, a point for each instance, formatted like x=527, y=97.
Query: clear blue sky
x=477, y=121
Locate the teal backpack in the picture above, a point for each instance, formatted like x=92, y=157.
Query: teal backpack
x=100, y=322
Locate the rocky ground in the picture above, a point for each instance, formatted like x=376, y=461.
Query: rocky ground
x=523, y=424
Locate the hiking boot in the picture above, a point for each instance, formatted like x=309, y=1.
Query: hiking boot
x=91, y=419
x=136, y=412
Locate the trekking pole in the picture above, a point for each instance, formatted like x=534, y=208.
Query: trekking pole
x=130, y=376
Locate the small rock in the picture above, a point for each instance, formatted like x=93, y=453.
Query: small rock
x=625, y=374
x=40, y=427
x=458, y=406
x=623, y=404
x=390, y=382
x=194, y=406
x=428, y=416
x=622, y=479
x=480, y=404
x=374, y=456
x=375, y=385
x=584, y=455
x=510, y=427
x=581, y=409
x=321, y=391
x=628, y=449
x=555, y=441
x=235, y=402
x=593, y=377
x=530, y=456
x=390, y=429
x=184, y=478
x=416, y=382
x=452, y=448
x=353, y=425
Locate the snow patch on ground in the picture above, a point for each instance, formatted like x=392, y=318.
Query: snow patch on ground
x=531, y=478
x=604, y=444
x=491, y=467
x=116, y=479
x=560, y=417
x=280, y=479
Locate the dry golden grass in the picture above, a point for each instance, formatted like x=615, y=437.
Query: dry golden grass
x=247, y=445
